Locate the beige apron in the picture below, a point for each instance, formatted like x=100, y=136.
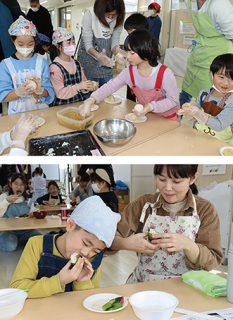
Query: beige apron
x=162, y=264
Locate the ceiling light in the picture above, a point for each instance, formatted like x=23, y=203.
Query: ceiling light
x=43, y=2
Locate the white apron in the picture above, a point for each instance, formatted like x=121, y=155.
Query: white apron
x=162, y=264
x=53, y=201
x=26, y=102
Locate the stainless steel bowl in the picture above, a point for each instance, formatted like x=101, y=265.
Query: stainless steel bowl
x=114, y=132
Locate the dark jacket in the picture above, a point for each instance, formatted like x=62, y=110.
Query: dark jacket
x=42, y=21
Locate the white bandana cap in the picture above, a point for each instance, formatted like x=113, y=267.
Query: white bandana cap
x=94, y=216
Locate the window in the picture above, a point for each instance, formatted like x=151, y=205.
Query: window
x=131, y=5
x=65, y=17
x=51, y=12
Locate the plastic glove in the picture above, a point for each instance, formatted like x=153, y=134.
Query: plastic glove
x=39, y=90
x=147, y=108
x=195, y=112
x=182, y=112
x=23, y=90
x=24, y=127
x=86, y=108
x=122, y=60
x=84, y=85
x=104, y=60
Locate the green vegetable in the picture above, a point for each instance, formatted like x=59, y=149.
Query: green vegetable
x=23, y=215
x=18, y=193
x=113, y=304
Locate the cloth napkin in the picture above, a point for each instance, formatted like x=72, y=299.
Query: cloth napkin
x=208, y=283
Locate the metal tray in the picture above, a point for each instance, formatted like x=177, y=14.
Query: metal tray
x=76, y=143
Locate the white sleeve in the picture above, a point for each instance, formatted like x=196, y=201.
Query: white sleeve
x=18, y=152
x=221, y=14
x=87, y=32
x=116, y=36
x=5, y=141
x=3, y=204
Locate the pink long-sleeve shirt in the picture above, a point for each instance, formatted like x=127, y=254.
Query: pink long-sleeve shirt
x=57, y=79
x=168, y=87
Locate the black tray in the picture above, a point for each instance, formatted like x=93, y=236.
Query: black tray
x=76, y=143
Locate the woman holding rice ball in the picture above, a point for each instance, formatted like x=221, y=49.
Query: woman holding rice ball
x=153, y=83
x=25, y=78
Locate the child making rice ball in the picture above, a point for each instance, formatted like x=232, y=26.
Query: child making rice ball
x=25, y=79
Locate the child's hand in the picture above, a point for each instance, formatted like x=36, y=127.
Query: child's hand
x=46, y=203
x=147, y=108
x=85, y=111
x=84, y=85
x=87, y=271
x=195, y=112
x=31, y=215
x=39, y=90
x=23, y=90
x=12, y=198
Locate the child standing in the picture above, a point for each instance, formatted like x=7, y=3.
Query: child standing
x=13, y=204
x=43, y=46
x=45, y=265
x=153, y=83
x=53, y=197
x=67, y=76
x=38, y=184
x=102, y=182
x=214, y=106
x=24, y=65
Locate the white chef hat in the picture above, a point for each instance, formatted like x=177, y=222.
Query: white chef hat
x=94, y=216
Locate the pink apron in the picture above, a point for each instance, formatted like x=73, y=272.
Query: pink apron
x=147, y=96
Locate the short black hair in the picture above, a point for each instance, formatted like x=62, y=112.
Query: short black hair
x=85, y=177
x=136, y=21
x=34, y=1
x=223, y=62
x=144, y=44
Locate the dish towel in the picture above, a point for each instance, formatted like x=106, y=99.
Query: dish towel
x=206, y=282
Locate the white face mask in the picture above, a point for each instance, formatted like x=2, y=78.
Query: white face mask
x=24, y=51
x=95, y=188
x=151, y=12
x=70, y=50
x=35, y=9
x=108, y=19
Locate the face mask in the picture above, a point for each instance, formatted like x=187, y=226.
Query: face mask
x=70, y=50
x=24, y=51
x=35, y=9
x=108, y=20
x=95, y=188
x=151, y=12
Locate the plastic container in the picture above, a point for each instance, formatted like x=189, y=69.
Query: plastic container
x=71, y=123
x=153, y=305
x=230, y=275
x=13, y=305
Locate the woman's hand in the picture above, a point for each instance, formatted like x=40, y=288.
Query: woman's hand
x=85, y=111
x=87, y=271
x=73, y=198
x=147, y=108
x=138, y=243
x=12, y=198
x=104, y=60
x=46, y=203
x=171, y=241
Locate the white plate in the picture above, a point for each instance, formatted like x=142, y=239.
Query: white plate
x=224, y=148
x=95, y=302
x=140, y=119
x=21, y=217
x=41, y=121
x=94, y=108
x=117, y=100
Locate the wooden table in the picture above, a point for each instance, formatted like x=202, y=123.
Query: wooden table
x=181, y=141
x=54, y=208
x=70, y=305
x=31, y=223
x=153, y=127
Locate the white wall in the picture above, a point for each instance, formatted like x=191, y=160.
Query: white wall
x=122, y=172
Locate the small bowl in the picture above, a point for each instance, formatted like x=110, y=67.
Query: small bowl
x=226, y=151
x=13, y=305
x=40, y=215
x=153, y=305
x=114, y=132
x=73, y=203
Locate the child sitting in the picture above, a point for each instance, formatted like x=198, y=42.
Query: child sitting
x=153, y=83
x=214, y=106
x=43, y=46
x=45, y=267
x=83, y=190
x=24, y=65
x=53, y=197
x=67, y=76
